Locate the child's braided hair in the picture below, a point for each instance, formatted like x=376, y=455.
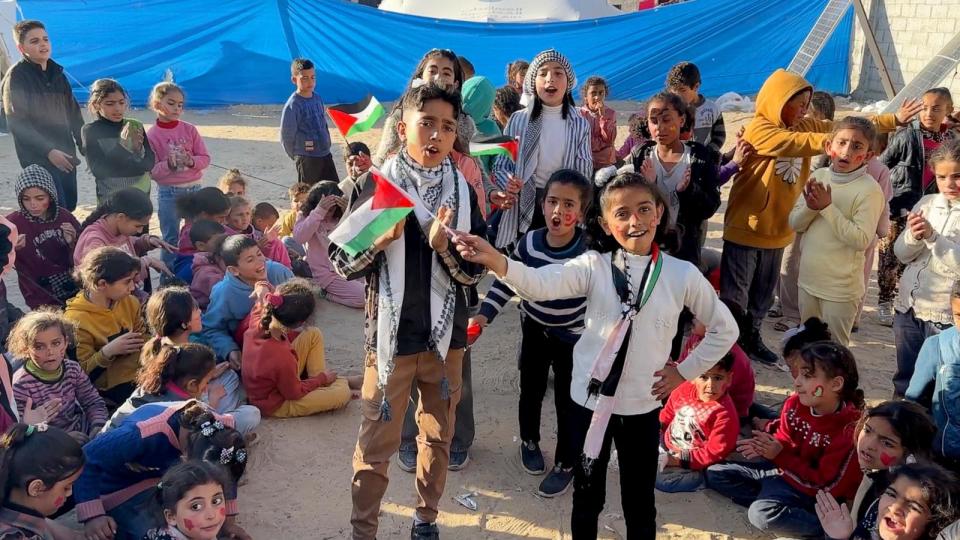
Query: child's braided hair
x=291, y=304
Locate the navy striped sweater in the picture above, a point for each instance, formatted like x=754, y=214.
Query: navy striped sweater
x=562, y=318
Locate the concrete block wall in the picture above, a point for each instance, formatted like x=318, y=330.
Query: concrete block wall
x=909, y=33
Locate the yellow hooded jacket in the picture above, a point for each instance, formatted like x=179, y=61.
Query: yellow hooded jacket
x=769, y=181
x=97, y=326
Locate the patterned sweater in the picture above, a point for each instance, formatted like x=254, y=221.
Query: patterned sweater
x=81, y=407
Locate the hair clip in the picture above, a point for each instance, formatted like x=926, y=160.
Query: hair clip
x=36, y=428
x=209, y=428
x=241, y=455
x=274, y=299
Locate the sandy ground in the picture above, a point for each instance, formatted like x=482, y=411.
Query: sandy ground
x=298, y=482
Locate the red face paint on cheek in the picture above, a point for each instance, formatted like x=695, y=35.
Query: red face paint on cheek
x=569, y=219
x=188, y=524
x=59, y=501
x=886, y=459
x=223, y=510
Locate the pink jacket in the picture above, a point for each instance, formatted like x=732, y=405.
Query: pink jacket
x=603, y=132
x=881, y=174
x=96, y=235
x=473, y=174
x=206, y=274
x=183, y=137
x=312, y=231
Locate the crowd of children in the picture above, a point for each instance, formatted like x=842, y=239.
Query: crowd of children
x=120, y=392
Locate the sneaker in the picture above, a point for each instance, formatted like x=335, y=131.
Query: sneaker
x=775, y=311
x=458, y=460
x=531, y=459
x=407, y=460
x=761, y=353
x=885, y=314
x=425, y=531
x=556, y=483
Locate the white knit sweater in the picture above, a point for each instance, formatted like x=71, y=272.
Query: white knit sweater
x=680, y=284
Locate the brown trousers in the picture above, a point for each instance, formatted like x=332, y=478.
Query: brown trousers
x=379, y=440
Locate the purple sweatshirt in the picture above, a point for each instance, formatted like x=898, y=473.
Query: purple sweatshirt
x=81, y=406
x=44, y=264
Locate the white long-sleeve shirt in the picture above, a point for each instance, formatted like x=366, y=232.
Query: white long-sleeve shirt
x=680, y=284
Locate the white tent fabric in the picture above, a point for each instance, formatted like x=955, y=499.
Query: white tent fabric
x=504, y=10
x=8, y=17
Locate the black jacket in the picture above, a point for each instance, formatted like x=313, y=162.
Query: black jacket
x=41, y=112
x=905, y=158
x=698, y=203
x=107, y=158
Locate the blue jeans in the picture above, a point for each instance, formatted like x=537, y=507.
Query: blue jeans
x=135, y=516
x=909, y=333
x=774, y=506
x=169, y=218
x=675, y=480
x=245, y=417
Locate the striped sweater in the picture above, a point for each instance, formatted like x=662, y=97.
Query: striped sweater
x=132, y=458
x=562, y=318
x=81, y=407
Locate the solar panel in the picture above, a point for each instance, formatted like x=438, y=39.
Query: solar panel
x=818, y=36
x=930, y=76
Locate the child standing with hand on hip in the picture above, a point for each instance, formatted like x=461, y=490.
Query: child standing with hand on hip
x=838, y=217
x=621, y=364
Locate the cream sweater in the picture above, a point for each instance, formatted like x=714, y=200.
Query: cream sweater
x=834, y=239
x=680, y=284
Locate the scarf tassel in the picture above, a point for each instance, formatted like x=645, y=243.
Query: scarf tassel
x=593, y=389
x=386, y=413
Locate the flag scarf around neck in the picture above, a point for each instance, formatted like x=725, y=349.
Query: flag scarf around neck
x=353, y=118
x=500, y=145
x=384, y=206
x=454, y=193
x=610, y=361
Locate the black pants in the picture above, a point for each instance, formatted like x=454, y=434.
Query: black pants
x=311, y=170
x=538, y=351
x=638, y=439
x=66, y=186
x=748, y=278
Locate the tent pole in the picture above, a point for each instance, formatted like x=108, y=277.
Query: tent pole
x=871, y=41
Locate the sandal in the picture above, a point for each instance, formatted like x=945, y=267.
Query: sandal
x=781, y=326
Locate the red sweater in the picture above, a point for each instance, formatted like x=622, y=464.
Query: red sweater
x=700, y=433
x=270, y=374
x=743, y=384
x=818, y=451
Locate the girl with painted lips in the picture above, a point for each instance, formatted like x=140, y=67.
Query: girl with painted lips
x=38, y=466
x=889, y=435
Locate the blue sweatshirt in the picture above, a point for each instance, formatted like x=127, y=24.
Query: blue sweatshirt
x=938, y=364
x=230, y=302
x=303, y=127
x=150, y=439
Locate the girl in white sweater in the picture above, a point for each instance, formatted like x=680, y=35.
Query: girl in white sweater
x=621, y=365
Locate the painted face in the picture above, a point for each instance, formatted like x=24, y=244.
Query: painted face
x=595, y=96
x=689, y=95
x=631, y=216
x=903, y=512
x=129, y=226
x=36, y=46
x=251, y=266
x=239, y=218
x=48, y=501
x=562, y=209
x=814, y=387
x=848, y=149
x=236, y=189
x=169, y=107
x=664, y=123
x=712, y=385
x=358, y=164
x=113, y=106
x=200, y=513
x=49, y=348
x=121, y=288
x=306, y=81
x=947, y=174
x=552, y=84
x=440, y=71
x=795, y=109
x=878, y=445
x=220, y=218
x=36, y=201
x=935, y=110
x=429, y=134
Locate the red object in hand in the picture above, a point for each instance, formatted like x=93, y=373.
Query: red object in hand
x=473, y=333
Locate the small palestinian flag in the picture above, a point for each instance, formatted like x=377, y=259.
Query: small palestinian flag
x=500, y=145
x=385, y=205
x=353, y=118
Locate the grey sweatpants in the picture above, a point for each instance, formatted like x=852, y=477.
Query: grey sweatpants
x=748, y=278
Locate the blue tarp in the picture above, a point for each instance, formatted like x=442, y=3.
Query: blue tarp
x=238, y=51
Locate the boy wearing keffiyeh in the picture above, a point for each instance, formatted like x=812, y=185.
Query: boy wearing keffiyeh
x=416, y=310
